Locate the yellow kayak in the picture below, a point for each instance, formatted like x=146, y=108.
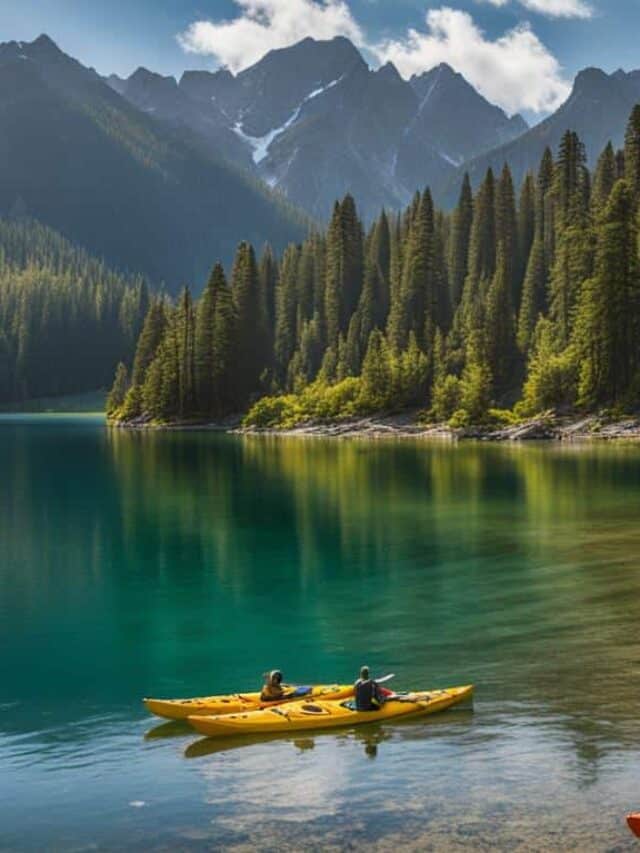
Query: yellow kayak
x=323, y=714
x=236, y=703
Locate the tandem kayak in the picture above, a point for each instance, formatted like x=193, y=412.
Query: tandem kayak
x=323, y=714
x=236, y=703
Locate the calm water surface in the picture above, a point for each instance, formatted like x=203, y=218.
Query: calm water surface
x=176, y=564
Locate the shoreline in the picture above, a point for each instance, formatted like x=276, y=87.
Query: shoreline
x=547, y=427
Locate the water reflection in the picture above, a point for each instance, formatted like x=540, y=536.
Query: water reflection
x=184, y=564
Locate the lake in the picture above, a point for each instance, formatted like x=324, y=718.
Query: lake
x=174, y=564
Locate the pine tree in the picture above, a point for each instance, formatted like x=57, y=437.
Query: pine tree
x=604, y=179
x=377, y=378
x=118, y=390
x=225, y=350
x=185, y=319
x=413, y=369
x=632, y=155
x=251, y=323
x=526, y=225
x=268, y=278
x=286, y=311
x=500, y=346
x=533, y=302
x=378, y=263
x=203, y=355
x=344, y=261
x=551, y=373
x=507, y=233
x=476, y=382
x=607, y=326
x=573, y=255
x=150, y=337
x=482, y=258
x=416, y=300
x=460, y=236
x=545, y=219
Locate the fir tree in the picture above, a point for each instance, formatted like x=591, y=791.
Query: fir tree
x=377, y=378
x=203, y=354
x=606, y=333
x=149, y=340
x=507, y=233
x=526, y=225
x=251, y=323
x=500, y=347
x=118, y=390
x=186, y=354
x=632, y=155
x=344, y=261
x=604, y=179
x=459, y=246
x=286, y=311
x=415, y=301
x=533, y=302
x=482, y=257
x=225, y=349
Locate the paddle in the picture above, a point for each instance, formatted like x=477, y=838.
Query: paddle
x=385, y=678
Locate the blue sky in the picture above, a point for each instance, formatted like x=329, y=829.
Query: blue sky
x=519, y=53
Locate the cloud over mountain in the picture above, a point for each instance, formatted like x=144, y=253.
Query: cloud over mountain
x=515, y=71
x=264, y=25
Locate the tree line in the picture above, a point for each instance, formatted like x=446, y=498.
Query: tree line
x=523, y=300
x=65, y=318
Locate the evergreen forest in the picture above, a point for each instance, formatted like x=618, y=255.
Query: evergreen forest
x=519, y=301
x=65, y=318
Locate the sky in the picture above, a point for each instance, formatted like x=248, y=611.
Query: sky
x=521, y=54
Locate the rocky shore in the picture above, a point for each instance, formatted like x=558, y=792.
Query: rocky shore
x=546, y=427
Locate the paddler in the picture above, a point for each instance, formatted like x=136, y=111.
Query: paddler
x=272, y=689
x=368, y=695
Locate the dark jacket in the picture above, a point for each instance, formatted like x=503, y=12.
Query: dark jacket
x=368, y=695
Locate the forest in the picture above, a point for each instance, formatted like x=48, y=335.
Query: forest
x=514, y=303
x=65, y=318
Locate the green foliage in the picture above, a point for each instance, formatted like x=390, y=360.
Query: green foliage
x=318, y=402
x=446, y=397
x=66, y=320
x=607, y=329
x=538, y=302
x=118, y=390
x=552, y=374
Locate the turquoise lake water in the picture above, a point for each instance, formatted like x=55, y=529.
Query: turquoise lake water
x=175, y=564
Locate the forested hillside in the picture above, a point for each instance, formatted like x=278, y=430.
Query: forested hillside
x=65, y=318
x=530, y=299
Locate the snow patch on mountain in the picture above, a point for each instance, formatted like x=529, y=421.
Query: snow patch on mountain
x=261, y=144
x=453, y=160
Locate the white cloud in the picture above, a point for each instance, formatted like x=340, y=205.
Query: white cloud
x=516, y=71
x=554, y=8
x=263, y=25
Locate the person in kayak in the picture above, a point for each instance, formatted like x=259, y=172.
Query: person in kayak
x=272, y=689
x=367, y=692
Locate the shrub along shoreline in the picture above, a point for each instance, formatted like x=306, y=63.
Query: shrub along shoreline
x=547, y=426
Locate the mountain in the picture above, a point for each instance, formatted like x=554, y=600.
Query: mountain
x=450, y=106
x=314, y=121
x=78, y=156
x=598, y=109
